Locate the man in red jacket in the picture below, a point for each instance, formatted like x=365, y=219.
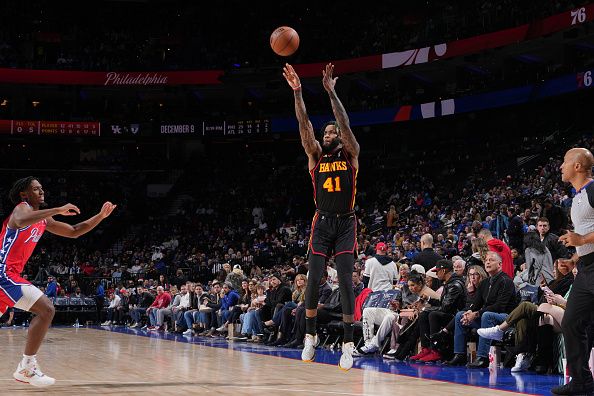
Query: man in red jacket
x=501, y=248
x=162, y=300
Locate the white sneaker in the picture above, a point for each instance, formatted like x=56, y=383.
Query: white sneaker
x=133, y=325
x=346, y=359
x=309, y=348
x=32, y=375
x=187, y=332
x=522, y=363
x=144, y=327
x=390, y=355
x=491, y=333
x=107, y=323
x=222, y=329
x=365, y=350
x=371, y=348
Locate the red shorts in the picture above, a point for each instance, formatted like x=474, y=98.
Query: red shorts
x=16, y=291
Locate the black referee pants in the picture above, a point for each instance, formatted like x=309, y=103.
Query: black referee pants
x=577, y=318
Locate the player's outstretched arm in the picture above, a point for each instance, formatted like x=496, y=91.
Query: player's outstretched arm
x=346, y=134
x=74, y=231
x=308, y=139
x=24, y=215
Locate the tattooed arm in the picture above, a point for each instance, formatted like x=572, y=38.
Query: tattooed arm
x=349, y=141
x=308, y=139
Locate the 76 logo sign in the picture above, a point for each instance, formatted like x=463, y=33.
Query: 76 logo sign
x=578, y=16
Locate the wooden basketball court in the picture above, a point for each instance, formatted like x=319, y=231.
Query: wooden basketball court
x=95, y=361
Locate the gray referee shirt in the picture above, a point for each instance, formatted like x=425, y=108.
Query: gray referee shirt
x=582, y=216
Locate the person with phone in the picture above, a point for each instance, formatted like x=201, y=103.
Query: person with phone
x=547, y=291
x=543, y=285
x=525, y=318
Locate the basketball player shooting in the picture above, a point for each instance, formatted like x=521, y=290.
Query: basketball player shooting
x=20, y=233
x=333, y=166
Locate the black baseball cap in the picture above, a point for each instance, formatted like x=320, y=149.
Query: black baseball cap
x=443, y=264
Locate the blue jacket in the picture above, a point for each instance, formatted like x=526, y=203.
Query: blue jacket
x=100, y=291
x=52, y=289
x=230, y=299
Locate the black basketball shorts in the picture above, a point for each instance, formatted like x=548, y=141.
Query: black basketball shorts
x=333, y=234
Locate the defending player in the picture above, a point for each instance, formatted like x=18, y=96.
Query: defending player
x=20, y=233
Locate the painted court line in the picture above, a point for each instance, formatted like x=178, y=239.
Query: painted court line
x=227, y=345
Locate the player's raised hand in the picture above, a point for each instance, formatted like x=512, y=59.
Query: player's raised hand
x=69, y=210
x=327, y=79
x=291, y=76
x=107, y=208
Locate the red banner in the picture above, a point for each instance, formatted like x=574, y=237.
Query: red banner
x=57, y=128
x=59, y=77
x=467, y=46
x=344, y=66
x=501, y=38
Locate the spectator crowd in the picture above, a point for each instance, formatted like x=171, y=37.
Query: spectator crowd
x=241, y=273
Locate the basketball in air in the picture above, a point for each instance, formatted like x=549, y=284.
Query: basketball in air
x=284, y=41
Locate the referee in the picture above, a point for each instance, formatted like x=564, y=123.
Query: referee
x=577, y=170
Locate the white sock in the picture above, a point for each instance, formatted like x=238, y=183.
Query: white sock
x=28, y=360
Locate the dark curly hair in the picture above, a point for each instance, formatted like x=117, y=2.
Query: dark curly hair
x=20, y=186
x=323, y=129
x=416, y=277
x=532, y=240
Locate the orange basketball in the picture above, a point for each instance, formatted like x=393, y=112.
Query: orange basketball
x=284, y=41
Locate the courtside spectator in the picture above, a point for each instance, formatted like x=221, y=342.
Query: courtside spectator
x=380, y=271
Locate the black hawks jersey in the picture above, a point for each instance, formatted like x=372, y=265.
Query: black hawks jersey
x=334, y=183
